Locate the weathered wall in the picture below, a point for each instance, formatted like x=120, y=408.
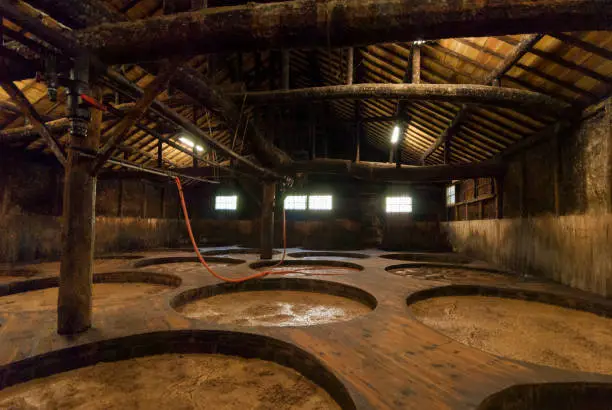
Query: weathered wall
x=566, y=237
x=135, y=213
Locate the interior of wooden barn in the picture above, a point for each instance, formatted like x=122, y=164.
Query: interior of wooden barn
x=306, y=204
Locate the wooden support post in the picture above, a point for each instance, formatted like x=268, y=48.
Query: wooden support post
x=143, y=207
x=120, y=199
x=163, y=203
x=608, y=119
x=447, y=150
x=556, y=173
x=267, y=220
x=285, y=69
x=160, y=157
x=195, y=159
x=522, y=186
x=499, y=198
x=350, y=64
x=74, y=308
x=416, y=65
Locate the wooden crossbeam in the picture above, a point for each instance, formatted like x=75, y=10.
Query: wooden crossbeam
x=119, y=132
x=526, y=43
x=35, y=119
x=335, y=23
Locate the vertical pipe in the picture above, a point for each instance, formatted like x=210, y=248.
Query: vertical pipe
x=74, y=308
x=267, y=220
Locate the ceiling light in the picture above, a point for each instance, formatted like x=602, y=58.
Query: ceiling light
x=395, y=135
x=418, y=42
x=199, y=148
x=187, y=141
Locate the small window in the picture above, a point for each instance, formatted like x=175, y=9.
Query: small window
x=450, y=195
x=399, y=204
x=296, y=202
x=226, y=203
x=320, y=202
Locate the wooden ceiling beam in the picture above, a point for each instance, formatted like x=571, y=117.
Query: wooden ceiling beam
x=334, y=23
x=456, y=93
x=150, y=93
x=585, y=45
x=530, y=70
x=392, y=173
x=35, y=119
x=526, y=43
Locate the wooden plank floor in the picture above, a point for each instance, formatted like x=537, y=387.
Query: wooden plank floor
x=386, y=359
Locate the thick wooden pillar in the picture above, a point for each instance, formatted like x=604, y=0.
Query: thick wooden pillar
x=267, y=220
x=75, y=285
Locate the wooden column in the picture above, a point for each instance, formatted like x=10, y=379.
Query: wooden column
x=499, y=198
x=416, y=65
x=350, y=59
x=267, y=220
x=160, y=155
x=447, y=151
x=556, y=174
x=522, y=187
x=75, y=284
x=285, y=69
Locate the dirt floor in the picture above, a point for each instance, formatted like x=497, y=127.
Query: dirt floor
x=455, y=275
x=171, y=381
x=103, y=293
x=311, y=270
x=274, y=308
x=528, y=331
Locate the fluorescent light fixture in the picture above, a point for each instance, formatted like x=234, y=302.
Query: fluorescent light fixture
x=187, y=141
x=395, y=135
x=191, y=144
x=418, y=42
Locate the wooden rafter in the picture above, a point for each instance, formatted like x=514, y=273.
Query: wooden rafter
x=512, y=58
x=35, y=119
x=156, y=87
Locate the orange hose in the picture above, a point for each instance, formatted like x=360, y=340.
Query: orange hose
x=244, y=279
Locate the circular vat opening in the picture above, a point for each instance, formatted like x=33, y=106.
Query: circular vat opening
x=551, y=396
x=108, y=289
x=542, y=328
x=275, y=302
x=428, y=257
x=119, y=257
x=324, y=255
x=236, y=251
x=184, y=264
x=308, y=268
x=17, y=274
x=452, y=273
x=176, y=370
